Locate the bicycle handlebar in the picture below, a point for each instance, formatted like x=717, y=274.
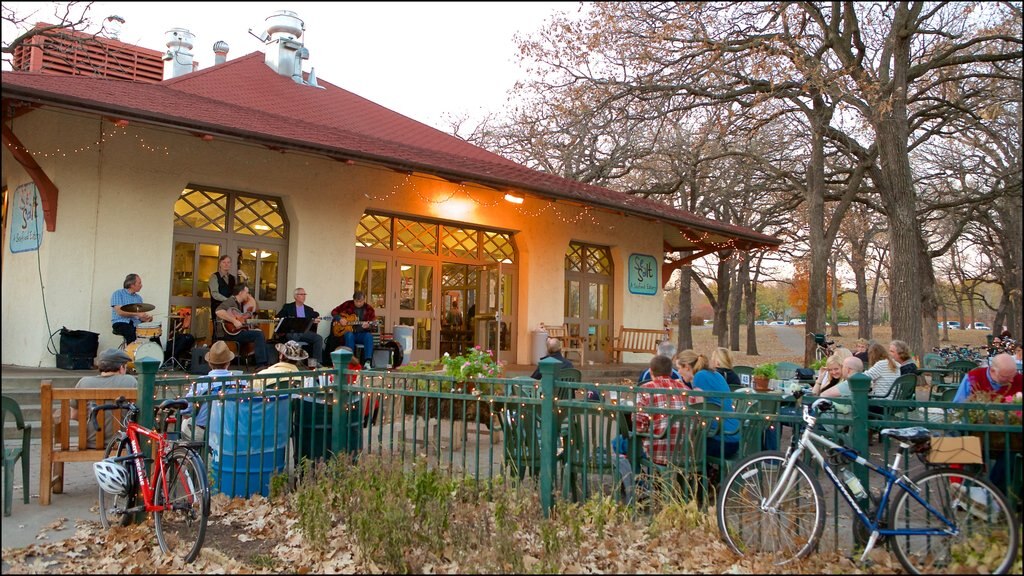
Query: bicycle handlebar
x=120, y=403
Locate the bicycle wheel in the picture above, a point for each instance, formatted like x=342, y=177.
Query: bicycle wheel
x=988, y=532
x=789, y=530
x=112, y=506
x=181, y=525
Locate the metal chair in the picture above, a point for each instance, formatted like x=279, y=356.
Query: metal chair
x=687, y=459
x=570, y=344
x=903, y=388
x=588, y=451
x=960, y=368
x=14, y=452
x=751, y=434
x=744, y=372
x=786, y=370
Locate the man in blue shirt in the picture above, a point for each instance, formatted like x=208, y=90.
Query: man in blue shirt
x=123, y=322
x=665, y=348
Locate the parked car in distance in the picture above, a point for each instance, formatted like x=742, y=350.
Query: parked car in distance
x=844, y=323
x=953, y=324
x=797, y=322
x=777, y=323
x=760, y=323
x=980, y=326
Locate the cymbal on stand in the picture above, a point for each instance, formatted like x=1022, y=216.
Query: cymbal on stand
x=142, y=307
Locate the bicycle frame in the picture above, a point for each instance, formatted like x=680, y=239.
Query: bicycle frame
x=810, y=441
x=147, y=487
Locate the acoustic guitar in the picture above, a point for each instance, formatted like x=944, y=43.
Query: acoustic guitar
x=230, y=329
x=347, y=323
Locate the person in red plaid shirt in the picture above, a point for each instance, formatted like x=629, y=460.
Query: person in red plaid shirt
x=659, y=449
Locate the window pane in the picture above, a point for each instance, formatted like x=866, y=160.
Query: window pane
x=374, y=231
x=459, y=242
x=184, y=269
x=258, y=217
x=572, y=299
x=417, y=237
x=574, y=257
x=201, y=209
x=208, y=255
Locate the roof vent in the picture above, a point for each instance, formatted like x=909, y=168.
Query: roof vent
x=220, y=52
x=285, y=52
x=178, y=58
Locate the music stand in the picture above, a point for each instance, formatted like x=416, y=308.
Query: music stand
x=291, y=324
x=172, y=361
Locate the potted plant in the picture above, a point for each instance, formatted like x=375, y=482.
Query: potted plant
x=997, y=440
x=763, y=374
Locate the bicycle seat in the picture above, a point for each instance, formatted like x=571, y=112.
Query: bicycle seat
x=914, y=435
x=173, y=404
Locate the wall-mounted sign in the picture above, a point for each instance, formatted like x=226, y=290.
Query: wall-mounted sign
x=26, y=219
x=643, y=274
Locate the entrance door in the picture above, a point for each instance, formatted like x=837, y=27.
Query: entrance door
x=492, y=318
x=417, y=283
x=588, y=297
x=193, y=263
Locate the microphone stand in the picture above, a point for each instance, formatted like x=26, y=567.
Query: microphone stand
x=172, y=362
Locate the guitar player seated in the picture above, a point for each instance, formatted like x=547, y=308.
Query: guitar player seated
x=231, y=324
x=354, y=323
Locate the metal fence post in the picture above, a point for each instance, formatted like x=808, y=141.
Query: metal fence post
x=342, y=396
x=859, y=387
x=548, y=433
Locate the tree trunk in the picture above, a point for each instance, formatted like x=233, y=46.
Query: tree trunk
x=736, y=301
x=929, y=300
x=816, y=226
x=685, y=307
x=834, y=297
x=722, y=311
x=750, y=292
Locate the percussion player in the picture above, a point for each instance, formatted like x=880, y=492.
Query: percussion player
x=123, y=322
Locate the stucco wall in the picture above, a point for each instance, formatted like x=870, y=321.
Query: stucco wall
x=115, y=216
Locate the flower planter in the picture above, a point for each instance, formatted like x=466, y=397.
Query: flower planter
x=761, y=383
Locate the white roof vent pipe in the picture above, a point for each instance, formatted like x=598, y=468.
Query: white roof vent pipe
x=284, y=51
x=178, y=58
x=220, y=52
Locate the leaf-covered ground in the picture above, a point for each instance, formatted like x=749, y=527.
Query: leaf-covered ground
x=257, y=536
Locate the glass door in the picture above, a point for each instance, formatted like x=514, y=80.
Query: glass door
x=492, y=313
x=193, y=263
x=417, y=285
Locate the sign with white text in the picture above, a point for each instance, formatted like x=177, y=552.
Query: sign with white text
x=26, y=220
x=643, y=274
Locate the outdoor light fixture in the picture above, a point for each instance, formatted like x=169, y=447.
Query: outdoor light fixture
x=510, y=197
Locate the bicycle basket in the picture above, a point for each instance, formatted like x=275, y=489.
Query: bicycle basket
x=819, y=339
x=112, y=477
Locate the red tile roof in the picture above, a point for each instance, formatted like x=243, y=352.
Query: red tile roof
x=245, y=98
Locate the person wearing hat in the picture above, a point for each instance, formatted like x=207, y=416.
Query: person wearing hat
x=357, y=320
x=291, y=355
x=113, y=365
x=219, y=357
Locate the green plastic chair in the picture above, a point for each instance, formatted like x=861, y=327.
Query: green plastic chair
x=520, y=431
x=751, y=432
x=588, y=452
x=14, y=453
x=904, y=388
x=786, y=370
x=933, y=360
x=961, y=367
x=745, y=373
x=687, y=462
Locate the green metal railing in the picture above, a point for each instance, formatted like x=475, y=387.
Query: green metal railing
x=549, y=431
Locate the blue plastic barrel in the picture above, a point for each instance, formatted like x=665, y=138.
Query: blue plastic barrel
x=248, y=440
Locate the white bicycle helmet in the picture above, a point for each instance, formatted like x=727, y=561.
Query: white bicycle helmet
x=112, y=477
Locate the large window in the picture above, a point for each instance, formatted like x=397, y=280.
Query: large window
x=209, y=223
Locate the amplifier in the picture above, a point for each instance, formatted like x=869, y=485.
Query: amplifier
x=198, y=364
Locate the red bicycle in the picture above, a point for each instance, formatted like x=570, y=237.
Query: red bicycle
x=176, y=493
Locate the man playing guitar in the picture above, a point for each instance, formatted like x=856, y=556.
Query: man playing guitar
x=232, y=325
x=354, y=321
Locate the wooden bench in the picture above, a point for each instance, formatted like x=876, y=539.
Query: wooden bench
x=58, y=446
x=640, y=340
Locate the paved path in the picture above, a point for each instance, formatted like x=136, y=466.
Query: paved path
x=792, y=337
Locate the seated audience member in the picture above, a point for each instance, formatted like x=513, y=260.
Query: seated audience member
x=667, y=349
x=290, y=355
x=219, y=357
x=860, y=350
x=659, y=449
x=900, y=352
x=112, y=364
x=882, y=370
x=721, y=362
x=1000, y=378
x=554, y=348
x=833, y=375
x=696, y=374
x=851, y=366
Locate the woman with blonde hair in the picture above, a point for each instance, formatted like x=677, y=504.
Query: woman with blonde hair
x=882, y=370
x=721, y=361
x=833, y=371
x=696, y=374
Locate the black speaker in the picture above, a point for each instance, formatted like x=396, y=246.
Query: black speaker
x=81, y=343
x=70, y=362
x=198, y=364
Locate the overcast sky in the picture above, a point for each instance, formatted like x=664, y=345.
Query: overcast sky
x=426, y=60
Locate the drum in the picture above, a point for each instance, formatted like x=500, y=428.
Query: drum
x=143, y=349
x=149, y=330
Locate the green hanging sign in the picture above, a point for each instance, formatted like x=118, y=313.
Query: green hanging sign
x=643, y=275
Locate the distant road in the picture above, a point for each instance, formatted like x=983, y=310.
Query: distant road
x=792, y=337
